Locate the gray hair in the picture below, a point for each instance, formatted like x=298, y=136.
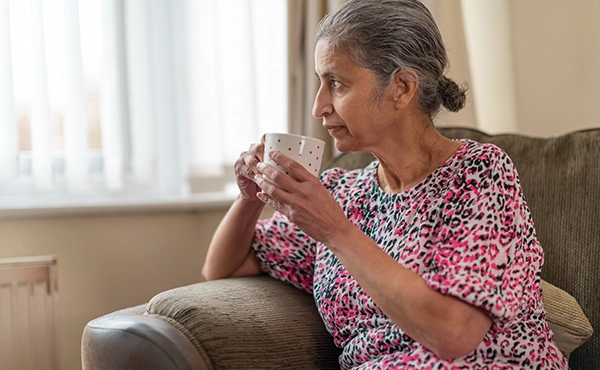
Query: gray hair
x=389, y=36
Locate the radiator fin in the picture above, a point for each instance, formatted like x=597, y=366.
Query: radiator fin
x=28, y=313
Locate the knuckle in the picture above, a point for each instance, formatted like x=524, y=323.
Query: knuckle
x=294, y=166
x=253, y=155
x=240, y=158
x=252, y=162
x=248, y=173
x=277, y=176
x=238, y=168
x=254, y=148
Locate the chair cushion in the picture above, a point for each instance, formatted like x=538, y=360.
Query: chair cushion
x=267, y=313
x=566, y=319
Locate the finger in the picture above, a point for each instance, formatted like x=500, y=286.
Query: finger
x=267, y=186
x=250, y=159
x=244, y=168
x=275, y=184
x=266, y=199
x=275, y=176
x=239, y=166
x=257, y=154
x=261, y=153
x=248, y=173
x=270, y=194
x=293, y=168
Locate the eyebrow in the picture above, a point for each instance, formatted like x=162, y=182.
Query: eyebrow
x=324, y=75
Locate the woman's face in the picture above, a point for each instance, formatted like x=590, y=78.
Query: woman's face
x=346, y=101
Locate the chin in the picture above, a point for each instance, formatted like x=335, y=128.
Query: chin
x=343, y=146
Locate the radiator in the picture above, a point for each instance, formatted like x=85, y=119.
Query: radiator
x=28, y=313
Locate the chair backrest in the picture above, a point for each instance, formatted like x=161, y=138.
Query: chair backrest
x=560, y=177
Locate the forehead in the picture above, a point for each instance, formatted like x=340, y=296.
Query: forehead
x=329, y=60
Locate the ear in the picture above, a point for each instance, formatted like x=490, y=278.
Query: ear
x=406, y=83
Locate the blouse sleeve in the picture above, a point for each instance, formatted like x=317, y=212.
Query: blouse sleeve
x=486, y=250
x=285, y=252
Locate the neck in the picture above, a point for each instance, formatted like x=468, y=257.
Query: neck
x=411, y=156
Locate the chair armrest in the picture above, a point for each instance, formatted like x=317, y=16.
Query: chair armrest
x=127, y=339
x=249, y=323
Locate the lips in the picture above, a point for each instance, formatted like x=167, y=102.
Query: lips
x=333, y=129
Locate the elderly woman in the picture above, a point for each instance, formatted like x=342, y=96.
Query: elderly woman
x=426, y=258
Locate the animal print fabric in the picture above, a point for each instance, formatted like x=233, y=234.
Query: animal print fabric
x=466, y=230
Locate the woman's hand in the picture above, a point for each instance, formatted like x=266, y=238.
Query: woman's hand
x=245, y=168
x=301, y=197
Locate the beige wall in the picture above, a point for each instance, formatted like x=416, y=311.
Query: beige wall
x=111, y=262
x=557, y=54
x=556, y=63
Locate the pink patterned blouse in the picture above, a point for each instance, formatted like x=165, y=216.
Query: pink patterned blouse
x=466, y=230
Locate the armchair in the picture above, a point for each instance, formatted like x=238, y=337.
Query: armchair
x=261, y=323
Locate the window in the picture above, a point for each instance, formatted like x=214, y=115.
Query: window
x=137, y=99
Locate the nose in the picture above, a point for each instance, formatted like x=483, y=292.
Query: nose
x=322, y=105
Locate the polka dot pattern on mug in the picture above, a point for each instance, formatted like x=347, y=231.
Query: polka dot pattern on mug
x=303, y=149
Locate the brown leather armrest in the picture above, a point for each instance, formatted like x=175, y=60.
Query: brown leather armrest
x=127, y=339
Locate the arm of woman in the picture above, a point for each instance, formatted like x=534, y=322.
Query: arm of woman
x=229, y=252
x=445, y=325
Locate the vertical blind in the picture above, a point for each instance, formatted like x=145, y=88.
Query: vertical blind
x=116, y=97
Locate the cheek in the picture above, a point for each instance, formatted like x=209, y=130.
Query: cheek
x=352, y=113
x=361, y=120
x=361, y=114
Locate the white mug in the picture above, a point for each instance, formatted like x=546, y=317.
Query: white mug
x=305, y=150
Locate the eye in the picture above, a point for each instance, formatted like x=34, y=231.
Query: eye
x=334, y=83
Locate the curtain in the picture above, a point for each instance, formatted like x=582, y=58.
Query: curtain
x=492, y=68
x=303, y=18
x=178, y=90
x=8, y=129
x=236, y=88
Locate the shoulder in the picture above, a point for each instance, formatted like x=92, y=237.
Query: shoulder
x=485, y=153
x=480, y=171
x=487, y=160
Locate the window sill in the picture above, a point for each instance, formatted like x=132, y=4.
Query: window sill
x=94, y=207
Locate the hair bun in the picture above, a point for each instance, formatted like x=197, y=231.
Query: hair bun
x=452, y=95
